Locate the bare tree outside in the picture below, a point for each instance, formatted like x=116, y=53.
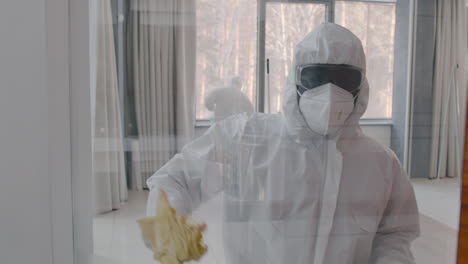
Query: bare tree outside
x=374, y=24
x=286, y=25
x=227, y=46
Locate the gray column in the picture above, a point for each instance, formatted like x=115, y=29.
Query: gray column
x=421, y=115
x=400, y=78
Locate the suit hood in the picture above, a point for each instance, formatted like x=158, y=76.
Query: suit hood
x=328, y=44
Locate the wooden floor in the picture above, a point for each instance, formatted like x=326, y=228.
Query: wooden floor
x=463, y=235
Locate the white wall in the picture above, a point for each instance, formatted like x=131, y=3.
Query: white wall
x=35, y=190
x=25, y=229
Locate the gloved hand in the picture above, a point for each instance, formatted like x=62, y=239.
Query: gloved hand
x=174, y=239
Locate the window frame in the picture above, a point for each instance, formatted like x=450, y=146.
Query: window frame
x=261, y=41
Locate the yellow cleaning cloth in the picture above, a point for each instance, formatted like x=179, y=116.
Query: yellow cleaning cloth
x=175, y=239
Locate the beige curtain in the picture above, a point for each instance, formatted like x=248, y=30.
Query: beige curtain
x=162, y=49
x=110, y=186
x=450, y=89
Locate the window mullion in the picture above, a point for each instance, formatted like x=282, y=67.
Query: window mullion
x=261, y=56
x=331, y=12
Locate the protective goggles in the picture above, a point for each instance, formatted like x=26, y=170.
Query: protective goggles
x=344, y=76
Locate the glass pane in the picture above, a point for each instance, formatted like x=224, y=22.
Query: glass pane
x=226, y=48
x=286, y=25
x=374, y=24
x=268, y=193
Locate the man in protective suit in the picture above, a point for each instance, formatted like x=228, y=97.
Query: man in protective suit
x=307, y=186
x=227, y=101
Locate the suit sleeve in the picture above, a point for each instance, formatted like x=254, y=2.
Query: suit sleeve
x=399, y=225
x=196, y=174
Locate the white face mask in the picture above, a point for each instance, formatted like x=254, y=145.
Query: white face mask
x=326, y=108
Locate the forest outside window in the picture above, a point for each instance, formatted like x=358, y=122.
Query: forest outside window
x=232, y=40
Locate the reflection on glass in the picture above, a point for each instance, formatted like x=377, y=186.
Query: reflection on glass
x=300, y=186
x=286, y=24
x=228, y=100
x=268, y=193
x=226, y=47
x=374, y=24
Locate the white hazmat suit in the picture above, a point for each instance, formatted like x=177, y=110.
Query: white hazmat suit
x=292, y=195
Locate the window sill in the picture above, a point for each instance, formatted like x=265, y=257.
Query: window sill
x=203, y=123
x=376, y=122
x=362, y=122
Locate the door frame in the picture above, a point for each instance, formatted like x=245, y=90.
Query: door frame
x=80, y=55
x=69, y=122
x=59, y=146
x=462, y=247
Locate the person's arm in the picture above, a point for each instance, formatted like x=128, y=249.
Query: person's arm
x=195, y=175
x=399, y=225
